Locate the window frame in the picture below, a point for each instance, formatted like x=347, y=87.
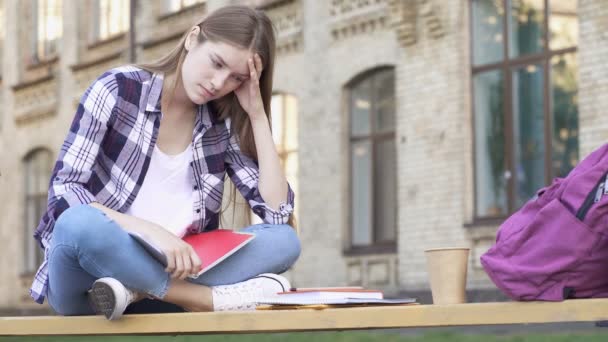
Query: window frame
x=375, y=247
x=166, y=11
x=506, y=66
x=38, y=54
x=95, y=31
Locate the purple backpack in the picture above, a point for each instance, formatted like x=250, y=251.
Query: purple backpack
x=556, y=246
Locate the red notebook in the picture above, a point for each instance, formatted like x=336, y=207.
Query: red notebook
x=211, y=247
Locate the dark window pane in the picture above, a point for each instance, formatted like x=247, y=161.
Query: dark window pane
x=384, y=101
x=28, y=242
x=361, y=193
x=526, y=27
x=490, y=144
x=488, y=37
x=360, y=106
x=37, y=173
x=564, y=97
x=385, y=196
x=563, y=24
x=41, y=208
x=528, y=131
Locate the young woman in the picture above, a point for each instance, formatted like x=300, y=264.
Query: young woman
x=147, y=153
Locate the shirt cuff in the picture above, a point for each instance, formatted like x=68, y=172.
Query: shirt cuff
x=280, y=216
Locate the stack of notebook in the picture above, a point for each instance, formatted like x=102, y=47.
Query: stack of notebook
x=334, y=296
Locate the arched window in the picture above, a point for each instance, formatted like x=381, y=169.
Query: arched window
x=37, y=167
x=373, y=177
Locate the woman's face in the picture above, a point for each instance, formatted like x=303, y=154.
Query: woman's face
x=213, y=69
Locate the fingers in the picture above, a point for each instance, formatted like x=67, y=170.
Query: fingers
x=196, y=261
x=187, y=265
x=255, y=68
x=253, y=74
x=179, y=266
x=258, y=64
x=170, y=262
x=183, y=262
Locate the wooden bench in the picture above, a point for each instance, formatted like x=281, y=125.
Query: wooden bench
x=581, y=310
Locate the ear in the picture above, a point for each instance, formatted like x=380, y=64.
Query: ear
x=192, y=38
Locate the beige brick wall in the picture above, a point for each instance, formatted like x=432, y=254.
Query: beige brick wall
x=592, y=56
x=434, y=125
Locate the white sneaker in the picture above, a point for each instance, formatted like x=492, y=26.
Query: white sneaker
x=243, y=296
x=110, y=297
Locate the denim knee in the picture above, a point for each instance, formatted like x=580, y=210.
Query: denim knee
x=287, y=243
x=81, y=224
x=66, y=310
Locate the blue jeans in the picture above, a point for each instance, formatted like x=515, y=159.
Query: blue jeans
x=87, y=245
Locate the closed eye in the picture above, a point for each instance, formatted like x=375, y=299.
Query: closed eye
x=216, y=64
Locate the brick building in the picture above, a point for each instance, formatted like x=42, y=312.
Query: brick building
x=403, y=124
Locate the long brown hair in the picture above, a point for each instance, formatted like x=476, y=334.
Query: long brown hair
x=243, y=27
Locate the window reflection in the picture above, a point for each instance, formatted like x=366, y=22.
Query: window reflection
x=170, y=6
x=490, y=144
x=112, y=19
x=49, y=27
x=526, y=27
x=487, y=31
x=533, y=92
x=564, y=97
x=563, y=24
x=528, y=131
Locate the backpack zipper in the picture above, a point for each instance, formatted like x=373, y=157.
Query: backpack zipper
x=594, y=196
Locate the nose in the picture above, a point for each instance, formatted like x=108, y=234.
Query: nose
x=219, y=80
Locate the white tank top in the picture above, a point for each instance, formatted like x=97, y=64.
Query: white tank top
x=166, y=196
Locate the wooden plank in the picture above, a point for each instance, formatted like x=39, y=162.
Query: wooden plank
x=309, y=320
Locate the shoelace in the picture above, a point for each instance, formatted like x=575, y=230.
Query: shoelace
x=244, y=294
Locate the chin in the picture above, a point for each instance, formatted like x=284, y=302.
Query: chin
x=198, y=99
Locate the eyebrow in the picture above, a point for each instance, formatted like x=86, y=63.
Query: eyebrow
x=221, y=60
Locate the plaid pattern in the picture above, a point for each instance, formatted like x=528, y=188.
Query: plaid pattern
x=108, y=149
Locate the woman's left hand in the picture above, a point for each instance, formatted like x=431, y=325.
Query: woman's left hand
x=248, y=93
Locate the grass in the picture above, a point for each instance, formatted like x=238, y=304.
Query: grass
x=363, y=336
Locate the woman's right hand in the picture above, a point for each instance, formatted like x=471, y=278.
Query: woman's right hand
x=182, y=261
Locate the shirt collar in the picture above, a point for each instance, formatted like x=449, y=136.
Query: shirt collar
x=154, y=95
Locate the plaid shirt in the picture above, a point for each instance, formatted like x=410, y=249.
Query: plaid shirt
x=108, y=150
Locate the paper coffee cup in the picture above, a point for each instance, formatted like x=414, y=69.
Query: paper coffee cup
x=447, y=269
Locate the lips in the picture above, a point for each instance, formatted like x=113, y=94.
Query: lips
x=207, y=92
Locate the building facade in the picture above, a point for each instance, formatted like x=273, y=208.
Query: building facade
x=402, y=124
